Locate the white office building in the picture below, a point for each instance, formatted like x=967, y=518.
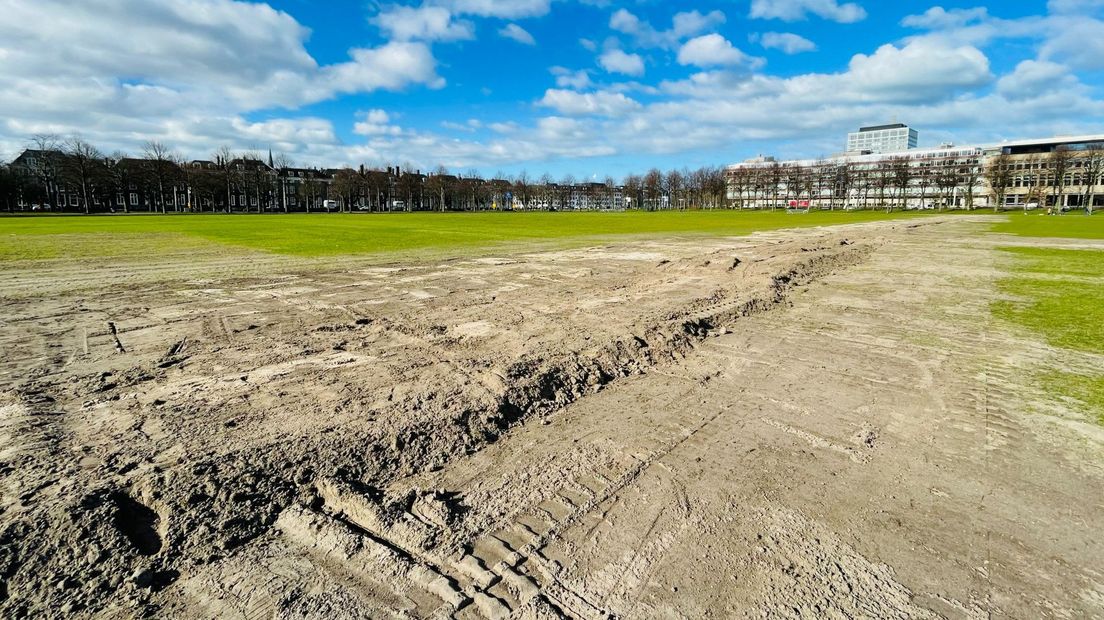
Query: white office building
x=883, y=139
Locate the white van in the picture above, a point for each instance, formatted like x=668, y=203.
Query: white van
x=329, y=205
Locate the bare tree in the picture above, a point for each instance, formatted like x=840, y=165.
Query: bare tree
x=633, y=191
x=968, y=175
x=902, y=171
x=653, y=187
x=437, y=184
x=307, y=192
x=11, y=187
x=794, y=177
x=610, y=191
x=44, y=166
x=1036, y=180
x=739, y=181
x=998, y=176
x=823, y=181
x=773, y=175
x=161, y=167
x=222, y=160
x=844, y=181
x=883, y=179
x=281, y=164
x=80, y=166
x=1092, y=166
x=946, y=180
x=346, y=184
x=1059, y=163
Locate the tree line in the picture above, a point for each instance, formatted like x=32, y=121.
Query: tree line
x=72, y=174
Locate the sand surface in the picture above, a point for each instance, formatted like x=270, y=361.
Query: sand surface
x=799, y=424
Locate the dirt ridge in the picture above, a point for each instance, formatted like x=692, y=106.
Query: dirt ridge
x=237, y=497
x=536, y=387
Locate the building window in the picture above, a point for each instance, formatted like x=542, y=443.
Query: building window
x=133, y=199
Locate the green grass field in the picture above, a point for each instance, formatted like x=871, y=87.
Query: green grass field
x=1074, y=225
x=1059, y=294
x=51, y=237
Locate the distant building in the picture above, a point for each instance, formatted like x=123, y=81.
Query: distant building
x=883, y=139
x=944, y=177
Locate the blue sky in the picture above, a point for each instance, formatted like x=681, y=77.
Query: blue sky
x=570, y=87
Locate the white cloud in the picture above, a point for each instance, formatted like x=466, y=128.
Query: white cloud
x=1076, y=41
x=795, y=10
x=210, y=52
x=618, y=61
x=787, y=42
x=683, y=25
x=126, y=71
x=920, y=70
x=505, y=9
x=572, y=103
x=710, y=50
x=517, y=33
x=507, y=127
x=376, y=123
x=186, y=73
x=1075, y=6
x=430, y=23
x=566, y=78
x=390, y=67
x=1033, y=78
x=938, y=18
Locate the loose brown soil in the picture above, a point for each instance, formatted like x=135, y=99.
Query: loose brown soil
x=821, y=423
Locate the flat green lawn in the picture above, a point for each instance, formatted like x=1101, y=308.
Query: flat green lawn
x=1054, y=299
x=44, y=237
x=1071, y=225
x=1059, y=294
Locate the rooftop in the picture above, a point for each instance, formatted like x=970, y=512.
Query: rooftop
x=881, y=127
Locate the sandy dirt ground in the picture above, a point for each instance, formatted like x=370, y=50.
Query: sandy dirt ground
x=798, y=424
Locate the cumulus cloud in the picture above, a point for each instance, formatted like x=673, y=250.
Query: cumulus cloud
x=376, y=123
x=517, y=33
x=188, y=74
x=618, y=61
x=566, y=78
x=795, y=10
x=938, y=18
x=1076, y=41
x=506, y=9
x=710, y=50
x=215, y=52
x=683, y=25
x=431, y=23
x=787, y=42
x=920, y=70
x=572, y=103
x=1032, y=78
